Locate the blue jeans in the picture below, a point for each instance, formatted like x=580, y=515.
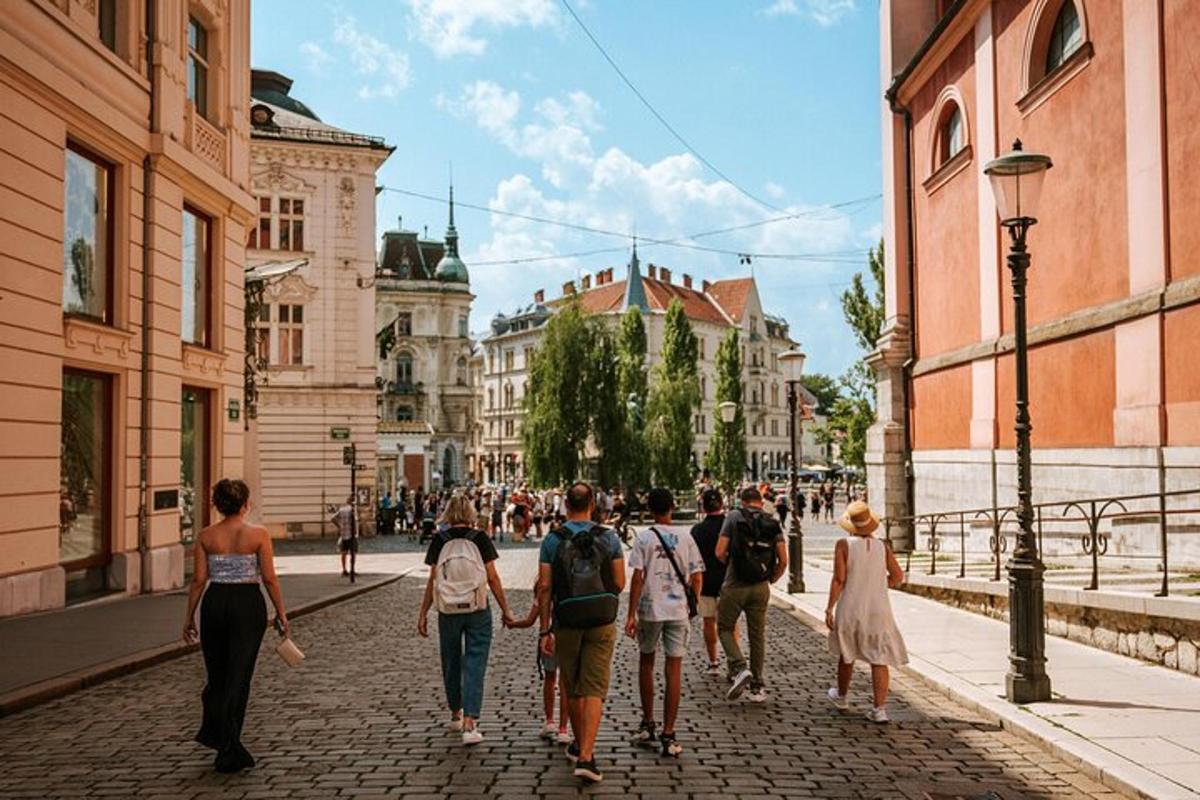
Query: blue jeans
x=465, y=640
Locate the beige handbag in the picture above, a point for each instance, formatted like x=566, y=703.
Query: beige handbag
x=287, y=649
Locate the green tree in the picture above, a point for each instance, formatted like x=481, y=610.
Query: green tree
x=674, y=397
x=607, y=408
x=558, y=409
x=726, y=456
x=852, y=413
x=825, y=388
x=633, y=381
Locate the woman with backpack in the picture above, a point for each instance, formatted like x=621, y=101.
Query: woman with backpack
x=462, y=569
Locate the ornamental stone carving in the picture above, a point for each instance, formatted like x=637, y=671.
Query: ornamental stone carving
x=346, y=203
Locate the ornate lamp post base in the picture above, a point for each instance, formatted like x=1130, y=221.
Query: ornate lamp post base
x=1027, y=681
x=795, y=563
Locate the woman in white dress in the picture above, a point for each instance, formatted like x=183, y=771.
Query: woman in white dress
x=859, y=613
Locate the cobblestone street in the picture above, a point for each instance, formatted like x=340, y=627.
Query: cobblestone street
x=363, y=717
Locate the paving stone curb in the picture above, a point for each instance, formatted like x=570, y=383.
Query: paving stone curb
x=53, y=688
x=1096, y=762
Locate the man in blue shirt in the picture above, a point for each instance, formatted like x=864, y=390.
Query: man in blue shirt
x=584, y=653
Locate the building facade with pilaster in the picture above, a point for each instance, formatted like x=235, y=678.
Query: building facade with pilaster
x=124, y=206
x=1107, y=89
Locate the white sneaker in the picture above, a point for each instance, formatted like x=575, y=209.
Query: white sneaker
x=878, y=715
x=714, y=670
x=549, y=730
x=564, y=737
x=738, y=684
x=839, y=700
x=757, y=695
x=455, y=724
x=473, y=736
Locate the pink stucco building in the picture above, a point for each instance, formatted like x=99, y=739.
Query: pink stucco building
x=124, y=146
x=1107, y=89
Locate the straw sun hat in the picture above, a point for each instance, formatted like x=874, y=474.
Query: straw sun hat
x=858, y=519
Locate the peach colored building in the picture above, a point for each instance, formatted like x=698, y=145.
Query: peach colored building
x=124, y=150
x=1107, y=89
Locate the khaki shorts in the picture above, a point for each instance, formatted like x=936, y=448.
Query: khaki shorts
x=585, y=659
x=708, y=606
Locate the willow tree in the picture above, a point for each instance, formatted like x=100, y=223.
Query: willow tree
x=726, y=456
x=633, y=396
x=674, y=398
x=558, y=407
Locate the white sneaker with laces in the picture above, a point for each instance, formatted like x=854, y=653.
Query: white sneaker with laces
x=473, y=736
x=878, y=715
x=455, y=724
x=757, y=695
x=564, y=737
x=549, y=730
x=714, y=670
x=738, y=684
x=839, y=700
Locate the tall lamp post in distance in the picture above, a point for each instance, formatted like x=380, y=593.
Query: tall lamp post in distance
x=1016, y=179
x=793, y=368
x=728, y=415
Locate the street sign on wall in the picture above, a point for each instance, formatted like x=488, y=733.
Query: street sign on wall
x=339, y=433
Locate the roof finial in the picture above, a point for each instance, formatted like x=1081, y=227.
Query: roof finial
x=451, y=231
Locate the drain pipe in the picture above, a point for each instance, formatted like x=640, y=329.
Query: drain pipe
x=144, y=421
x=910, y=267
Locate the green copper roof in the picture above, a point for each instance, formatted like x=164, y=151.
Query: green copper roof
x=451, y=268
x=635, y=292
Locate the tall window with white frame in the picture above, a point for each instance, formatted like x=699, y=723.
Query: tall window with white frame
x=290, y=327
x=197, y=65
x=195, y=269
x=87, y=236
x=291, y=223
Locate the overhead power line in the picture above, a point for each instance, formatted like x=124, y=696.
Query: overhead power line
x=677, y=241
x=678, y=136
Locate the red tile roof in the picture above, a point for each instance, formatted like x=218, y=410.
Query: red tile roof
x=611, y=296
x=732, y=295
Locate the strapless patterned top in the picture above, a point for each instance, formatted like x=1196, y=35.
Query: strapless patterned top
x=233, y=568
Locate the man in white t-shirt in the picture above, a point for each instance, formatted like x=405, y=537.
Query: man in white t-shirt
x=667, y=572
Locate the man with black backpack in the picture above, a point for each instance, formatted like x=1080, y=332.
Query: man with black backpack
x=753, y=547
x=582, y=568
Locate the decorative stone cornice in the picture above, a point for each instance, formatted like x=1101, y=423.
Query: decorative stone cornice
x=206, y=362
x=95, y=342
x=301, y=156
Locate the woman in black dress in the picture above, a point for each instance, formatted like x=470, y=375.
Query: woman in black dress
x=233, y=558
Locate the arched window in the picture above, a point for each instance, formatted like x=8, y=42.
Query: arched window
x=491, y=398
x=448, y=476
x=953, y=137
x=404, y=370
x=1065, y=37
x=461, y=371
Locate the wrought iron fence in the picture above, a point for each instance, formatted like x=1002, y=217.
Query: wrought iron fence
x=1117, y=533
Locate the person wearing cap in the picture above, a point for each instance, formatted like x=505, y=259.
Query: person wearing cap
x=859, y=613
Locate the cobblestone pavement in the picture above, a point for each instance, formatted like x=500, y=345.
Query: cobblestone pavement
x=363, y=717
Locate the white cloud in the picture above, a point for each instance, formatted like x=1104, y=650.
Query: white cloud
x=385, y=68
x=316, y=57
x=450, y=27
x=773, y=190
x=823, y=12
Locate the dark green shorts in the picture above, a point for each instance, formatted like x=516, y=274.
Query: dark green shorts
x=585, y=659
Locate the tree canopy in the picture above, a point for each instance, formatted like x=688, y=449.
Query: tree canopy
x=674, y=397
x=726, y=456
x=633, y=396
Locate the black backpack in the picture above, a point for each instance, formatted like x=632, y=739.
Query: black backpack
x=584, y=588
x=752, y=547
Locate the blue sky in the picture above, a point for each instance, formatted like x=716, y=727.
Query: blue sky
x=780, y=95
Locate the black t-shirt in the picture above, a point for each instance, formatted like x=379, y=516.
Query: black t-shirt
x=487, y=550
x=705, y=533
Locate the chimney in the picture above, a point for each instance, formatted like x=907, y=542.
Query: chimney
x=664, y=274
x=586, y=282
x=609, y=279
x=539, y=296
x=650, y=269
x=568, y=288
x=687, y=281
x=705, y=286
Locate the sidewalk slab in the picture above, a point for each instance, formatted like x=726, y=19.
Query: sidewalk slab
x=47, y=655
x=1131, y=725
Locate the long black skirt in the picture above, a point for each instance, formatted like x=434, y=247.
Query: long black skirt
x=233, y=618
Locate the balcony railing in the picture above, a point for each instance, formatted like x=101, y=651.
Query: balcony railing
x=1134, y=541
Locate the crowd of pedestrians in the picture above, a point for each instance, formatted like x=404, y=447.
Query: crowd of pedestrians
x=721, y=571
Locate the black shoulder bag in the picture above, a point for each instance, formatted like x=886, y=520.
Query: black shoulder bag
x=693, y=610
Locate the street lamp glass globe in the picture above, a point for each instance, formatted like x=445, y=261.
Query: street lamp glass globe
x=793, y=364
x=728, y=411
x=1017, y=178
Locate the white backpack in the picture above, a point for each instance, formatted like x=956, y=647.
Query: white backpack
x=460, y=578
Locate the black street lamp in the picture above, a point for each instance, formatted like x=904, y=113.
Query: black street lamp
x=793, y=368
x=1017, y=179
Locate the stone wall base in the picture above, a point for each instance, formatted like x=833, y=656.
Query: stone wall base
x=1159, y=638
x=163, y=570
x=33, y=591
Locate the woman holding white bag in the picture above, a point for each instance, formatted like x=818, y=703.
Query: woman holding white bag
x=462, y=566
x=232, y=558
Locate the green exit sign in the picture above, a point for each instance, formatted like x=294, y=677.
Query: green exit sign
x=339, y=433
